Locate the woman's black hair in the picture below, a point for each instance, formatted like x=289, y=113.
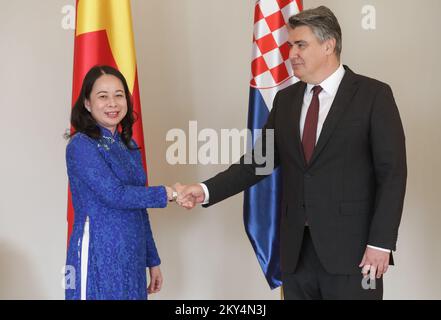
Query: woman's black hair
x=81, y=119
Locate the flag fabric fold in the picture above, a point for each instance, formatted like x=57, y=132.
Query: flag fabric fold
x=270, y=72
x=104, y=36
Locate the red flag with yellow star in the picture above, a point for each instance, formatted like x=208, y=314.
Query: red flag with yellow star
x=104, y=36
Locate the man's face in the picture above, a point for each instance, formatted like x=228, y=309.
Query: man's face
x=308, y=56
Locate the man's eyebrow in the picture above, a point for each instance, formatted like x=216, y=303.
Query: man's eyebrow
x=297, y=42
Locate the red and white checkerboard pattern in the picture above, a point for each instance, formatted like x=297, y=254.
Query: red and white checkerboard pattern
x=270, y=66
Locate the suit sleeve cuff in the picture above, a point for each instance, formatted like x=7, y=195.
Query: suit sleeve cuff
x=207, y=194
x=378, y=248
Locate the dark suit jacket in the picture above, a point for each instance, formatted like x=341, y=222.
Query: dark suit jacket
x=352, y=191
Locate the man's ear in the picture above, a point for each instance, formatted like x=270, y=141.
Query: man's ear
x=330, y=46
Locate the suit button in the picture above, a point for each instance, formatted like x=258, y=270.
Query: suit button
x=308, y=175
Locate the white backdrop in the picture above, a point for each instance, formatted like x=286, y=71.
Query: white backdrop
x=193, y=64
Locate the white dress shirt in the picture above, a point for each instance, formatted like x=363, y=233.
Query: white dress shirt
x=326, y=98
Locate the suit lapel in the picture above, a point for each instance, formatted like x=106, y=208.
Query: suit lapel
x=346, y=91
x=295, y=116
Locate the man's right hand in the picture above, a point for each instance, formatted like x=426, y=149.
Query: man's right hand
x=189, y=195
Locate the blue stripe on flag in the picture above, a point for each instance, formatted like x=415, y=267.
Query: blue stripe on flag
x=262, y=205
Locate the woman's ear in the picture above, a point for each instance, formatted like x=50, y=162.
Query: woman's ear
x=87, y=104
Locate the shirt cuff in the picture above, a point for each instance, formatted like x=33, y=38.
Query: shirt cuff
x=207, y=195
x=378, y=248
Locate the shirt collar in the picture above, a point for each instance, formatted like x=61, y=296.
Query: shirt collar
x=330, y=84
x=107, y=133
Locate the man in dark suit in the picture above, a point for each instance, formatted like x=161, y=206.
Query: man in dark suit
x=339, y=141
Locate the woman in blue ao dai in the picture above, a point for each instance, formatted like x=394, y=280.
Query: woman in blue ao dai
x=111, y=244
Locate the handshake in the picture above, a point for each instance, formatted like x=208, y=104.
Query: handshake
x=187, y=196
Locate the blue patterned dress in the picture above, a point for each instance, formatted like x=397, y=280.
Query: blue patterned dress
x=107, y=182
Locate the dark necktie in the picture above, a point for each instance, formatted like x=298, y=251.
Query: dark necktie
x=310, y=129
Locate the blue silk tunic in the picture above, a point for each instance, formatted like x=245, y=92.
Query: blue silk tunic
x=107, y=182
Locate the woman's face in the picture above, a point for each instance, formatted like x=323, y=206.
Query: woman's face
x=107, y=102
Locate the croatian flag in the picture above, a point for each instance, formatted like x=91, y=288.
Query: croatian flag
x=271, y=71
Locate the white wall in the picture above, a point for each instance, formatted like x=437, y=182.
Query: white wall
x=193, y=64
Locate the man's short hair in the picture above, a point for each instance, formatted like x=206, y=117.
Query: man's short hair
x=323, y=24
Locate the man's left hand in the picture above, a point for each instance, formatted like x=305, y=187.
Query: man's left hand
x=375, y=262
